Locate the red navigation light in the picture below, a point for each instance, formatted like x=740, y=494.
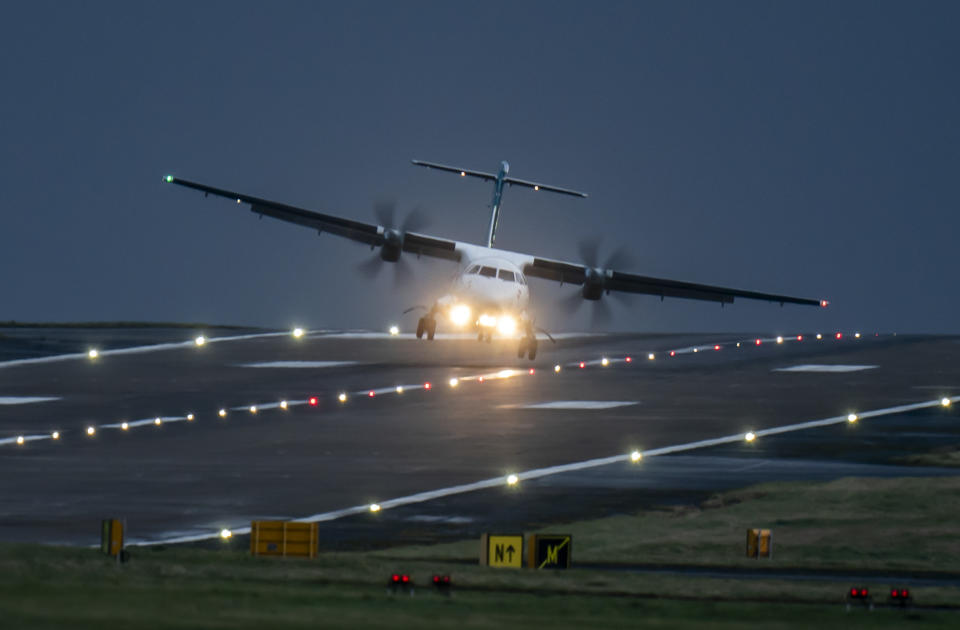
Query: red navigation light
x=405, y=578
x=313, y=401
x=823, y=303
x=395, y=578
x=839, y=335
x=427, y=385
x=758, y=342
x=582, y=365
x=532, y=371
x=799, y=337
x=853, y=591
x=371, y=393
x=436, y=579
x=716, y=347
x=628, y=359
x=673, y=353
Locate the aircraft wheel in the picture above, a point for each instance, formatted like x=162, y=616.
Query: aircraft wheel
x=480, y=336
x=532, y=349
x=522, y=348
x=420, y=328
x=431, y=328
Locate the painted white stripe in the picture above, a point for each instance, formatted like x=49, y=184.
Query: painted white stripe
x=573, y=404
x=555, y=470
x=135, y=349
x=826, y=368
x=297, y=364
x=25, y=400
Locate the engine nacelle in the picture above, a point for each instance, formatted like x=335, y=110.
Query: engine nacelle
x=593, y=284
x=392, y=246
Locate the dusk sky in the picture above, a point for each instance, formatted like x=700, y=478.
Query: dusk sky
x=806, y=148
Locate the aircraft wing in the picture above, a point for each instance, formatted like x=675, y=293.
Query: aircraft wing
x=612, y=280
x=453, y=169
x=366, y=233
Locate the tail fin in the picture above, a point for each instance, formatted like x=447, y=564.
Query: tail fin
x=498, y=181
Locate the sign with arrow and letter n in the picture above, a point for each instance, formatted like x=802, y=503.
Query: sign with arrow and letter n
x=502, y=550
x=549, y=551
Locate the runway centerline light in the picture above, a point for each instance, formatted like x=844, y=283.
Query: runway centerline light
x=857, y=335
x=190, y=417
x=225, y=534
x=374, y=507
x=91, y=430
x=945, y=402
x=283, y=404
x=651, y=356
x=200, y=340
x=512, y=479
x=298, y=332
x=55, y=435
x=342, y=397
x=399, y=389
x=779, y=339
x=19, y=439
x=157, y=421
x=93, y=353
x=253, y=409
x=222, y=413
x=604, y=361
x=454, y=382
x=750, y=436
x=636, y=456
x=819, y=336
x=394, y=330
x=852, y=418
x=123, y=427
x=557, y=368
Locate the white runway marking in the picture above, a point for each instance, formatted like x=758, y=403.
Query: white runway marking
x=25, y=400
x=298, y=364
x=498, y=482
x=574, y=404
x=827, y=368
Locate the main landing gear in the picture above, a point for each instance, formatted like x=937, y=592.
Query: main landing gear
x=528, y=345
x=426, y=324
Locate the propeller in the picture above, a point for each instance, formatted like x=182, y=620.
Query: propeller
x=385, y=211
x=589, y=250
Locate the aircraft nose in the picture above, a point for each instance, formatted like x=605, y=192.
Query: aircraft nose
x=505, y=166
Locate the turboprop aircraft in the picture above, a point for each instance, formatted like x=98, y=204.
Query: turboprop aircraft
x=490, y=294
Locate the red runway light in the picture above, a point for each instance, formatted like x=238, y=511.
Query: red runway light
x=313, y=401
x=716, y=347
x=628, y=359
x=758, y=342
x=395, y=578
x=532, y=371
x=582, y=365
x=673, y=353
x=427, y=385
x=371, y=394
x=405, y=578
x=839, y=335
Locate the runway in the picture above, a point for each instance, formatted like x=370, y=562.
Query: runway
x=183, y=478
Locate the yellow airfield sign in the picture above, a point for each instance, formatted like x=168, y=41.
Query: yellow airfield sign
x=502, y=550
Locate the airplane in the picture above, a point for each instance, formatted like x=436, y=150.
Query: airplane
x=490, y=293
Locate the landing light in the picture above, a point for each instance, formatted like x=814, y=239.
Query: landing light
x=512, y=479
x=253, y=409
x=342, y=397
x=852, y=418
x=222, y=413
x=819, y=336
x=738, y=344
x=557, y=368
x=427, y=385
x=750, y=436
x=651, y=356
x=374, y=507
x=636, y=456
x=298, y=332
x=93, y=353
x=779, y=339
x=604, y=361
x=695, y=350
x=487, y=321
x=200, y=340
x=399, y=389
x=313, y=401
x=945, y=402
x=91, y=431
x=283, y=404
x=190, y=417
x=55, y=435
x=506, y=326
x=857, y=335
x=225, y=534
x=157, y=421
x=460, y=314
x=19, y=439
x=123, y=426
x=394, y=330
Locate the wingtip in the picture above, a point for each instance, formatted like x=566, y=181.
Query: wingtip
x=824, y=303
x=168, y=179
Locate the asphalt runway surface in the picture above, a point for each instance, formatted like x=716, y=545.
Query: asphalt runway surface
x=182, y=479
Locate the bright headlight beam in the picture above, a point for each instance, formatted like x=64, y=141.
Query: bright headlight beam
x=460, y=315
x=506, y=325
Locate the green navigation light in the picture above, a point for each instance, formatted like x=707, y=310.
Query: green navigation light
x=168, y=179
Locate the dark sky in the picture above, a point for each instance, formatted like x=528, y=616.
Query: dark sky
x=809, y=148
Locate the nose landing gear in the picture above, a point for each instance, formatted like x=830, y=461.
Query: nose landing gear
x=426, y=324
x=528, y=345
